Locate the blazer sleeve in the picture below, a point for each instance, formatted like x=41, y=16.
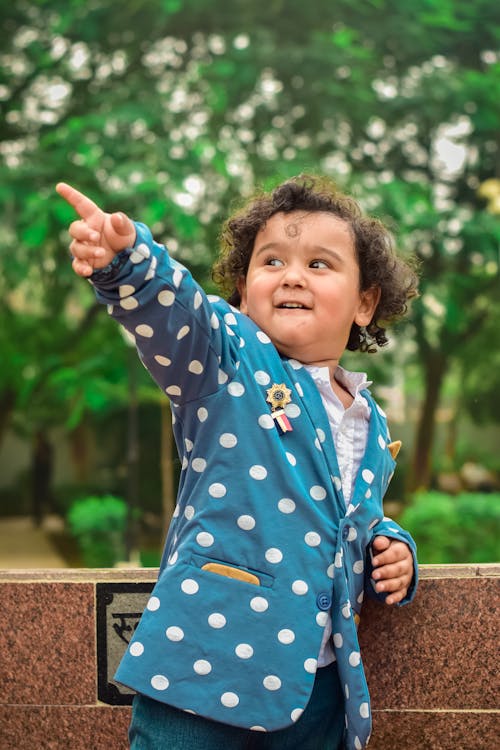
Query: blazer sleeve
x=180, y=333
x=389, y=528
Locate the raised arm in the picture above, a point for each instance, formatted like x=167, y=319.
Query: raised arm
x=97, y=236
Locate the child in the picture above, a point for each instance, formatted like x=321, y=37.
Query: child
x=249, y=638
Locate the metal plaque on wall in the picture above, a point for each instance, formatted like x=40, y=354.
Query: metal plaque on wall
x=118, y=607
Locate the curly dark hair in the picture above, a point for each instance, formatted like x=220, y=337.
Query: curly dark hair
x=378, y=262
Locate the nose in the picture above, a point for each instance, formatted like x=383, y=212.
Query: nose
x=293, y=275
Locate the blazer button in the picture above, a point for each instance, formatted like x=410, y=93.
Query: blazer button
x=324, y=601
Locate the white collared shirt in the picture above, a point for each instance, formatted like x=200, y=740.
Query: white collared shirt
x=350, y=434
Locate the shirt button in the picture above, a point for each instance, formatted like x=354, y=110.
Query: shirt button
x=324, y=601
x=345, y=532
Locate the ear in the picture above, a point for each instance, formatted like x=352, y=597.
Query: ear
x=368, y=301
x=242, y=289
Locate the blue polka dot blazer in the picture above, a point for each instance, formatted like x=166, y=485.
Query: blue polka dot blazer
x=261, y=546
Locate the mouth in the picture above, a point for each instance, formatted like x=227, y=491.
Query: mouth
x=292, y=306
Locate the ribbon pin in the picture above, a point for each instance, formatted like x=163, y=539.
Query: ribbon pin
x=279, y=396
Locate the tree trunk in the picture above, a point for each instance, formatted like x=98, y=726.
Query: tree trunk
x=167, y=465
x=421, y=473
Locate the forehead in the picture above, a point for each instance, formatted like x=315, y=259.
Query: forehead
x=319, y=226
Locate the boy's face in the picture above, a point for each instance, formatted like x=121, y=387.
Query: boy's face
x=302, y=286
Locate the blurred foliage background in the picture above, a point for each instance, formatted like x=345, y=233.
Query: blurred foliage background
x=173, y=110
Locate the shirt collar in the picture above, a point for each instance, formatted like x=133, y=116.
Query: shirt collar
x=353, y=381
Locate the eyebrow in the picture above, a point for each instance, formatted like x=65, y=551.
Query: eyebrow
x=316, y=248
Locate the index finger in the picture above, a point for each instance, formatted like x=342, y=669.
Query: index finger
x=82, y=205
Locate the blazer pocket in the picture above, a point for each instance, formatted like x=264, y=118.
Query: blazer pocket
x=231, y=570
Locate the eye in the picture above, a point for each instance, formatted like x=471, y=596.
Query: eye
x=319, y=264
x=273, y=262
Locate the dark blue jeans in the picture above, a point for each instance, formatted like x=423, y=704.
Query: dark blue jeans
x=157, y=726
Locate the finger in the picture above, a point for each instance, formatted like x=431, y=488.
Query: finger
x=82, y=267
x=381, y=543
x=396, y=597
x=80, y=230
x=82, y=205
x=84, y=251
x=121, y=224
x=391, y=571
x=394, y=553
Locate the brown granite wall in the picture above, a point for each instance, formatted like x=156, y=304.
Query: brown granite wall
x=432, y=667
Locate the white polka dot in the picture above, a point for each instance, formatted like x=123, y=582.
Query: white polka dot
x=214, y=321
x=346, y=610
x=292, y=411
x=312, y=538
x=159, y=682
x=174, y=633
x=286, y=505
x=198, y=299
x=286, y=636
x=230, y=319
x=222, y=377
x=364, y=711
x=299, y=390
x=153, y=604
x=373, y=523
x=352, y=534
x=202, y=414
x=337, y=483
x=257, y=728
x=357, y=744
x=185, y=463
x=338, y=641
x=130, y=303
x=216, y=620
x=189, y=512
x=213, y=298
x=296, y=714
x=321, y=435
x=258, y=472
x=300, y=587
x=195, y=367
x=368, y=475
x=311, y=665
x=368, y=493
x=177, y=277
x=189, y=586
x=322, y=619
x=217, y=490
x=163, y=361
x=182, y=332
x=124, y=290
x=263, y=337
x=150, y=273
x=346, y=691
x=205, y=539
x=274, y=555
x=136, y=648
x=358, y=566
x=291, y=459
x=138, y=257
x=244, y=651
x=259, y=604
x=360, y=598
x=173, y=390
x=247, y=523
x=354, y=658
x=199, y=465
x=166, y=298
x=228, y=440
x=381, y=442
x=236, y=389
x=202, y=666
x=262, y=378
x=317, y=492
x=271, y=682
x=338, y=559
x=144, y=330
x=230, y=700
x=266, y=421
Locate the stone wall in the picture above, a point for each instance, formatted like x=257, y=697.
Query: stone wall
x=432, y=667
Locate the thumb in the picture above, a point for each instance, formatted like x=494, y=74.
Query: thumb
x=381, y=543
x=121, y=224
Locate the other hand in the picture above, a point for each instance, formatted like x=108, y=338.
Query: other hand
x=97, y=236
x=392, y=568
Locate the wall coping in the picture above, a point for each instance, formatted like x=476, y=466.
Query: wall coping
x=91, y=575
